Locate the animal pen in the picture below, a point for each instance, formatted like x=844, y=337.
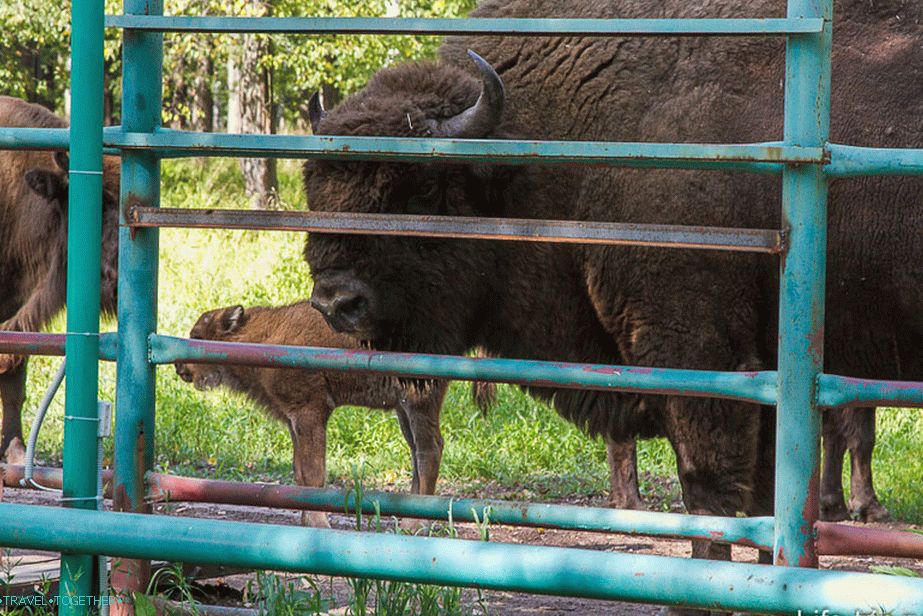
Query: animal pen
x=798, y=388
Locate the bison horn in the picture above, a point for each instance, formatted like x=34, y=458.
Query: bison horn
x=482, y=117
x=316, y=111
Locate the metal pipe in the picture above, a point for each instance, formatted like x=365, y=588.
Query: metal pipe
x=842, y=391
x=463, y=227
x=845, y=540
x=756, y=157
x=455, y=562
x=84, y=232
x=801, y=292
x=142, y=64
x=848, y=161
x=832, y=539
x=754, y=532
x=50, y=477
x=27, y=478
x=755, y=387
x=32, y=343
x=474, y=26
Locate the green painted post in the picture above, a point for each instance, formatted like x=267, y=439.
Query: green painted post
x=142, y=61
x=82, y=345
x=801, y=292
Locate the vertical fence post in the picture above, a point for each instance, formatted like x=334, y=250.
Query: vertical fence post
x=142, y=65
x=84, y=227
x=801, y=291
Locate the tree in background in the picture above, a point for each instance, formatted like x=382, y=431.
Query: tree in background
x=249, y=84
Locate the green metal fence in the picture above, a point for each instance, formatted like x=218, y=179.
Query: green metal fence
x=805, y=160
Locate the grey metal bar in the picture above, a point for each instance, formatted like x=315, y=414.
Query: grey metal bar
x=560, y=231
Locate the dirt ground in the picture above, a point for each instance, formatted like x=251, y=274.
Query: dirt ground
x=227, y=588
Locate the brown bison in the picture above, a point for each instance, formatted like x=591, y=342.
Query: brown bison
x=632, y=305
x=304, y=400
x=33, y=249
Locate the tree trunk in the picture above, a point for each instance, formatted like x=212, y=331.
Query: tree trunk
x=256, y=115
x=203, y=103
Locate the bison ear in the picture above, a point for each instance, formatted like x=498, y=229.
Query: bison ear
x=48, y=184
x=232, y=319
x=316, y=111
x=62, y=161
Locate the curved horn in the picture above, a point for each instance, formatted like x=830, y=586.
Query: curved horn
x=316, y=111
x=482, y=117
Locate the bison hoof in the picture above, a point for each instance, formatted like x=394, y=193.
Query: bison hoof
x=871, y=511
x=834, y=512
x=15, y=453
x=315, y=519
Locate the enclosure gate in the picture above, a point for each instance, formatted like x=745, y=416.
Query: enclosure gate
x=805, y=159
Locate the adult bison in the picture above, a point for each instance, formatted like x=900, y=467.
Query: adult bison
x=33, y=249
x=642, y=306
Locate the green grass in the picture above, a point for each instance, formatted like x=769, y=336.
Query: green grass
x=522, y=450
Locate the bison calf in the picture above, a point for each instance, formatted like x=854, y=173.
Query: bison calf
x=304, y=399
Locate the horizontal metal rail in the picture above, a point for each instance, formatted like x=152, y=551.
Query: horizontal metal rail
x=842, y=391
x=853, y=161
x=30, y=343
x=558, y=231
x=39, y=139
x=442, y=26
x=833, y=391
x=832, y=539
x=845, y=161
x=753, y=532
x=745, y=157
x=756, y=387
x=454, y=562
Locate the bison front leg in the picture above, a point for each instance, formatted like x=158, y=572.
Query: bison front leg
x=623, y=474
x=716, y=453
x=419, y=417
x=13, y=395
x=860, y=440
x=421, y=411
x=308, y=427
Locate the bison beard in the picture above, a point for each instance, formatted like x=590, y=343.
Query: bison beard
x=634, y=305
x=33, y=250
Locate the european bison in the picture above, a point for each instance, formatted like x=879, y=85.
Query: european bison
x=33, y=250
x=304, y=399
x=633, y=305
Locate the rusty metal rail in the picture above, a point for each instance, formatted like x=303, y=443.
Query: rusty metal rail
x=561, y=231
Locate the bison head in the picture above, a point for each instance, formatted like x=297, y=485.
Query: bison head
x=218, y=325
x=52, y=185
x=414, y=294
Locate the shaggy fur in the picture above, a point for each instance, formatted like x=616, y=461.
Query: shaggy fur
x=304, y=400
x=33, y=249
x=640, y=306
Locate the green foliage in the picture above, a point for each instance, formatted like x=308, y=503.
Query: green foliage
x=34, y=50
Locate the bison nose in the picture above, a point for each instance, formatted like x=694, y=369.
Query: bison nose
x=184, y=372
x=344, y=301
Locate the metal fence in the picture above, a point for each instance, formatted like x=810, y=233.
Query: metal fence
x=805, y=160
